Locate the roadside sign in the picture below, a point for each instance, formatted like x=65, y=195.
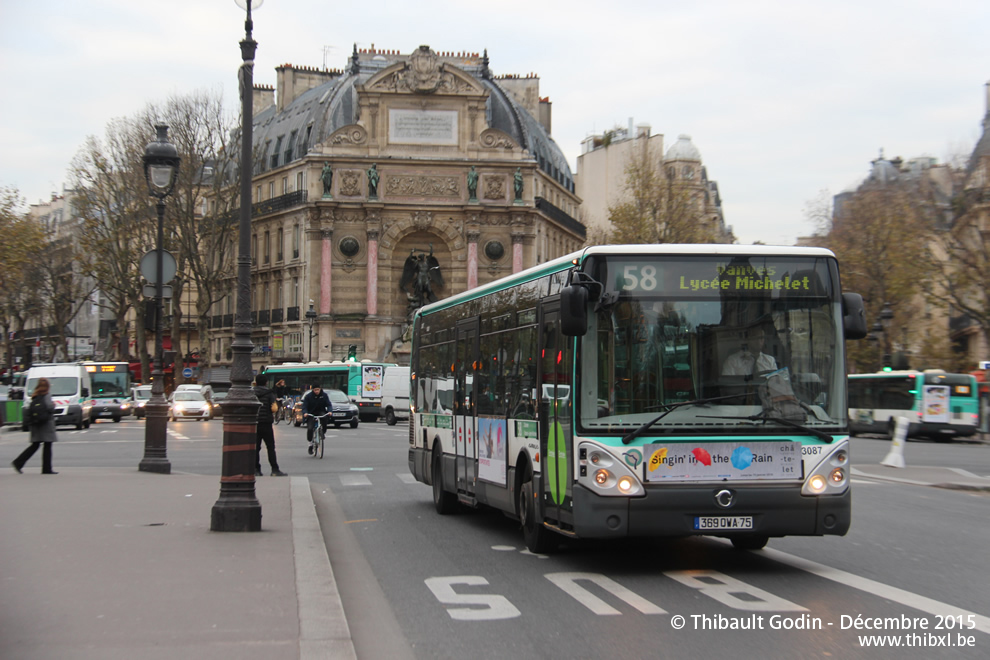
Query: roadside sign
x=187, y=373
x=149, y=266
x=149, y=291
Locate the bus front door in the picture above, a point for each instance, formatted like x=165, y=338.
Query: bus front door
x=464, y=410
x=556, y=430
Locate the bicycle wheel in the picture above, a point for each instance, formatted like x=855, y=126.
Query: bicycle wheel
x=277, y=417
x=323, y=441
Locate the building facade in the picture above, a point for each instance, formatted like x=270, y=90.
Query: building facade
x=365, y=173
x=601, y=180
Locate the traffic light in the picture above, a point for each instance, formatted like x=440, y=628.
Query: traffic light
x=887, y=362
x=352, y=353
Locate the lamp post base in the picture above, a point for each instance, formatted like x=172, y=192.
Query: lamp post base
x=236, y=515
x=155, y=433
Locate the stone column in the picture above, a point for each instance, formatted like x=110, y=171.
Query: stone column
x=472, y=265
x=373, y=272
x=517, y=253
x=326, y=270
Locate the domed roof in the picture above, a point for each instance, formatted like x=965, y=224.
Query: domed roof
x=683, y=149
x=318, y=112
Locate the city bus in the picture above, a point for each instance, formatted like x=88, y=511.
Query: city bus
x=587, y=396
x=938, y=405
x=360, y=381
x=111, y=392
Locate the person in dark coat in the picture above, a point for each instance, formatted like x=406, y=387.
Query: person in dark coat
x=265, y=432
x=43, y=433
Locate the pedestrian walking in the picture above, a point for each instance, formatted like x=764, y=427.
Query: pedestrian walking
x=41, y=422
x=266, y=432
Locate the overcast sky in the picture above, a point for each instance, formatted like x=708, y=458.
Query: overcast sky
x=784, y=99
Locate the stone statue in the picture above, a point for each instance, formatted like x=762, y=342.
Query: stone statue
x=373, y=181
x=517, y=184
x=472, y=184
x=422, y=271
x=327, y=178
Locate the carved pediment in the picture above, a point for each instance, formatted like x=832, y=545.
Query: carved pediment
x=492, y=138
x=424, y=73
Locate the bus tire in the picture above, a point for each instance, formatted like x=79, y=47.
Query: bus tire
x=749, y=542
x=538, y=538
x=390, y=416
x=444, y=501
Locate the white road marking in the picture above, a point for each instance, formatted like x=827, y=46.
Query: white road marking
x=901, y=596
x=568, y=582
x=354, y=480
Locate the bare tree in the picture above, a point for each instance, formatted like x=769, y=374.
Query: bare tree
x=881, y=237
x=20, y=298
x=661, y=208
x=204, y=225
x=117, y=222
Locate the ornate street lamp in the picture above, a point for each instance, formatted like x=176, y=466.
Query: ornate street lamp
x=310, y=319
x=238, y=509
x=161, y=168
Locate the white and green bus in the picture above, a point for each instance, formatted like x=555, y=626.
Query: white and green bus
x=360, y=381
x=937, y=405
x=589, y=396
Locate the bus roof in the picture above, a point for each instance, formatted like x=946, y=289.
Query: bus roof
x=318, y=366
x=666, y=249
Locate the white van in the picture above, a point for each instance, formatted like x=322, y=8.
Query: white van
x=70, y=392
x=395, y=394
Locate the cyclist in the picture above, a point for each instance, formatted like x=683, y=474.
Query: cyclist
x=316, y=402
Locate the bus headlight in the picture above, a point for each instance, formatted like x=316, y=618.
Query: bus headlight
x=829, y=476
x=604, y=474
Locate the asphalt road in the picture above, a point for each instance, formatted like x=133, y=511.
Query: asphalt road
x=419, y=585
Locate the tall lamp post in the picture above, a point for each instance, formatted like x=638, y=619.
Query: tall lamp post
x=310, y=319
x=161, y=167
x=238, y=509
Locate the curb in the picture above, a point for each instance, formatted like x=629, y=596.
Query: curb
x=323, y=629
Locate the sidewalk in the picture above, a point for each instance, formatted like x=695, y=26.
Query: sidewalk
x=107, y=564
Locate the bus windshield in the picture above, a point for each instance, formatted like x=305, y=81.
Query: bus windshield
x=719, y=345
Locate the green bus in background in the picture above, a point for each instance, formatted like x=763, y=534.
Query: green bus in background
x=937, y=404
x=360, y=381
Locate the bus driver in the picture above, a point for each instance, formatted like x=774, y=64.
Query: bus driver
x=750, y=359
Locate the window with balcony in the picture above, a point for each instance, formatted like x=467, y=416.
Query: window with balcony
x=280, y=244
x=268, y=246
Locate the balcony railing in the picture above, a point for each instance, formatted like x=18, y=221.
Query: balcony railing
x=216, y=321
x=293, y=314
x=558, y=214
x=264, y=317
x=228, y=321
x=277, y=315
x=280, y=203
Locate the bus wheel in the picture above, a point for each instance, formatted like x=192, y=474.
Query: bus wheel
x=749, y=542
x=538, y=538
x=444, y=502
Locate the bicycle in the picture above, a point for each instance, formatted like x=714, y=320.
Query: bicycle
x=279, y=412
x=319, y=438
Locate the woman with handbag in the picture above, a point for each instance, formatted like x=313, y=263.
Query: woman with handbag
x=41, y=422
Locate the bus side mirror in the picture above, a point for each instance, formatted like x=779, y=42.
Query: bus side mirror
x=853, y=316
x=574, y=311
x=85, y=392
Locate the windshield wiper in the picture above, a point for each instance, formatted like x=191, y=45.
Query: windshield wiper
x=671, y=407
x=763, y=417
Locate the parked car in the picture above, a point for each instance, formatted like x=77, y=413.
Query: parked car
x=189, y=404
x=140, y=396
